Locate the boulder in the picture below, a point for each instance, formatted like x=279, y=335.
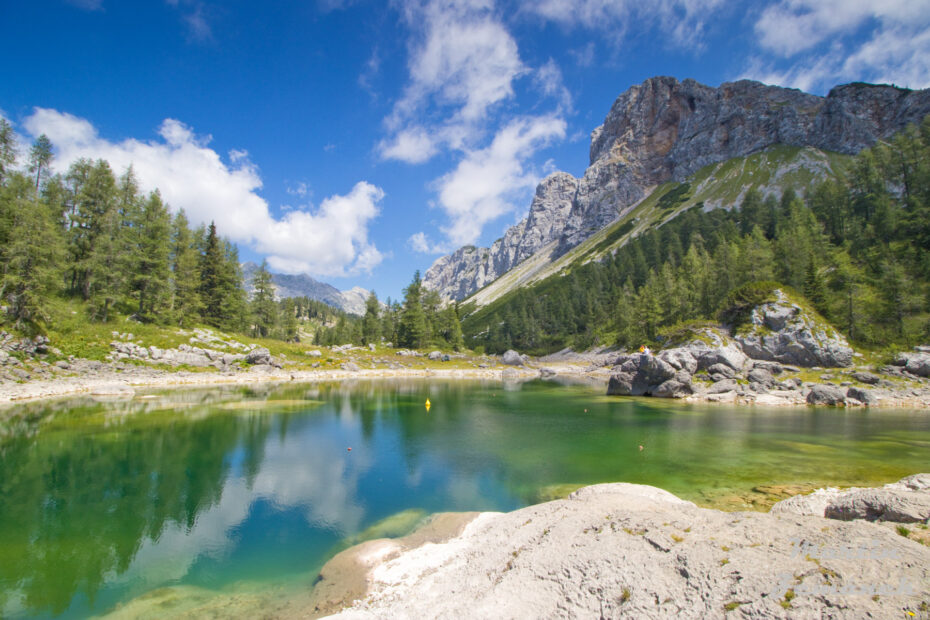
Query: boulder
x=865, y=377
x=314, y=353
x=773, y=367
x=762, y=377
x=512, y=358
x=620, y=384
x=782, y=331
x=915, y=363
x=350, y=366
x=727, y=385
x=650, y=373
x=545, y=373
x=258, y=356
x=864, y=396
x=679, y=359
x=434, y=356
x=884, y=504
x=673, y=389
x=722, y=369
x=822, y=394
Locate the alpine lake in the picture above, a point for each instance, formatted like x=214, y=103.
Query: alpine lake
x=227, y=501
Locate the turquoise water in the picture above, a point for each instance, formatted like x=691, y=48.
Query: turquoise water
x=104, y=504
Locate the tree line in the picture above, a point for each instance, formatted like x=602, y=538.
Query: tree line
x=857, y=247
x=421, y=321
x=91, y=235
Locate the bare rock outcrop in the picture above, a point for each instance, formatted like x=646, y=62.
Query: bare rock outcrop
x=782, y=331
x=626, y=550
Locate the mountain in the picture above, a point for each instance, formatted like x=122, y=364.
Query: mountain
x=351, y=301
x=664, y=131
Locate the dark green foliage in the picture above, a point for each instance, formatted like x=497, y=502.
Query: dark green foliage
x=264, y=310
x=859, y=248
x=412, y=330
x=371, y=322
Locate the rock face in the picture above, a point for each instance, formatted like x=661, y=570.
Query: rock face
x=632, y=551
x=648, y=375
x=783, y=332
x=463, y=272
x=664, y=130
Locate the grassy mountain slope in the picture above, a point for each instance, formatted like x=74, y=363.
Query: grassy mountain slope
x=720, y=185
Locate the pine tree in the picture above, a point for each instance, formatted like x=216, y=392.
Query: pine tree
x=264, y=310
x=40, y=157
x=150, y=272
x=411, y=332
x=211, y=278
x=185, y=273
x=289, y=323
x=371, y=323
x=31, y=258
x=7, y=150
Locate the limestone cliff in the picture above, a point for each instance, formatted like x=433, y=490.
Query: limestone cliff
x=664, y=129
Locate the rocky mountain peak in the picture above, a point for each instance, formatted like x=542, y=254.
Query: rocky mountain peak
x=665, y=129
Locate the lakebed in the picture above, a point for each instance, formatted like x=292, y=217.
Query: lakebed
x=222, y=499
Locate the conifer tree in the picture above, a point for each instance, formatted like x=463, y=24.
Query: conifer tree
x=371, y=323
x=264, y=310
x=211, y=278
x=411, y=331
x=151, y=264
x=185, y=273
x=7, y=150
x=40, y=157
x=31, y=258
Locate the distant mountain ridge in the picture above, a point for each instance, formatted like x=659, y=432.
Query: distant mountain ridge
x=664, y=130
x=302, y=285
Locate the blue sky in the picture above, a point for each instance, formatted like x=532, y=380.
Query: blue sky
x=358, y=140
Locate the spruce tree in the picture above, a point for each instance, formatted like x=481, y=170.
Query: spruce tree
x=185, y=273
x=371, y=323
x=7, y=150
x=411, y=332
x=40, y=157
x=151, y=268
x=211, y=278
x=31, y=258
x=263, y=308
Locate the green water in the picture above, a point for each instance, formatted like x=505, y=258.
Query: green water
x=191, y=494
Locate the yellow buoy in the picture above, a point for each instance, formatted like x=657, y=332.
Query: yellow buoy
x=427, y=404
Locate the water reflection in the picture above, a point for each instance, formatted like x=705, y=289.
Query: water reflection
x=200, y=489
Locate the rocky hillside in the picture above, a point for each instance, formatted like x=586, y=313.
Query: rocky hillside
x=665, y=130
x=302, y=285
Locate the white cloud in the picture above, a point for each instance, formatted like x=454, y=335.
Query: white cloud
x=414, y=146
x=463, y=62
x=420, y=243
x=330, y=241
x=832, y=41
x=684, y=21
x=548, y=79
x=481, y=187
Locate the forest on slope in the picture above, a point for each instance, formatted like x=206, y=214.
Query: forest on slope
x=858, y=248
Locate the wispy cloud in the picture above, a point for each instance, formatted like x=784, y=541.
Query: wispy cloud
x=330, y=240
x=814, y=44
x=481, y=188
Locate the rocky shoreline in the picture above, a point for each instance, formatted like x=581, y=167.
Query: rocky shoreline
x=621, y=549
